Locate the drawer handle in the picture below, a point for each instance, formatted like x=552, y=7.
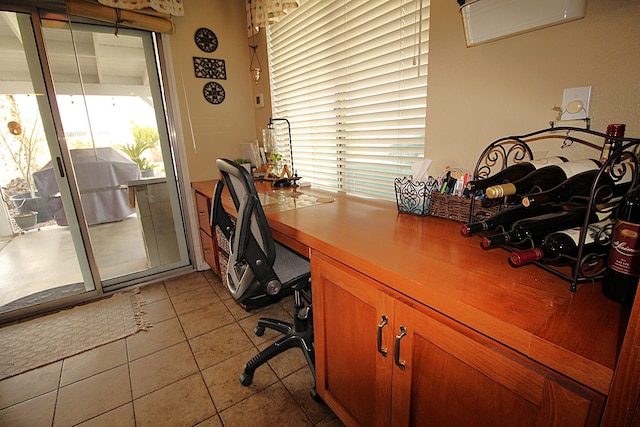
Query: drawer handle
x=400, y=363
x=382, y=351
x=202, y=213
x=206, y=250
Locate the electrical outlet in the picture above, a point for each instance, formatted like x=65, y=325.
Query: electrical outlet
x=576, y=102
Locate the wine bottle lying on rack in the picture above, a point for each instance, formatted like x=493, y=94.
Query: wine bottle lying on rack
x=507, y=216
x=561, y=247
x=542, y=179
x=534, y=229
x=513, y=172
x=580, y=186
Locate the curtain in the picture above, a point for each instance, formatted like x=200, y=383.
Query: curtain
x=171, y=7
x=261, y=13
x=351, y=77
x=144, y=19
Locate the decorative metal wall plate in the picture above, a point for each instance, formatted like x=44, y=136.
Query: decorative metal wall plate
x=206, y=40
x=213, y=92
x=208, y=68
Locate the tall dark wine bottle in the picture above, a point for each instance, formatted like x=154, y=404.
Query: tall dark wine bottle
x=561, y=247
x=536, y=228
x=542, y=179
x=513, y=172
x=580, y=186
x=620, y=281
x=506, y=217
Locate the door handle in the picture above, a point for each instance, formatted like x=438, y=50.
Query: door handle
x=60, y=166
x=401, y=364
x=382, y=351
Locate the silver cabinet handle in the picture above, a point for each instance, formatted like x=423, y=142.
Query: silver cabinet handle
x=403, y=332
x=382, y=351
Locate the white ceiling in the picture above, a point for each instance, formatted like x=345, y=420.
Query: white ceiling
x=111, y=65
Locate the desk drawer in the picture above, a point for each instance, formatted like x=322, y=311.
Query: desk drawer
x=209, y=252
x=203, y=207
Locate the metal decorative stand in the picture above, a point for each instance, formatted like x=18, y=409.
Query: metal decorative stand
x=589, y=265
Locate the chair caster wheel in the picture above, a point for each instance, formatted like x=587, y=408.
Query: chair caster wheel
x=314, y=395
x=246, y=379
x=259, y=331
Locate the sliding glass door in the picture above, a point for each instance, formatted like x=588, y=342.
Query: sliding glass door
x=85, y=133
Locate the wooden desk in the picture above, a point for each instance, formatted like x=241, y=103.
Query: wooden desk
x=512, y=319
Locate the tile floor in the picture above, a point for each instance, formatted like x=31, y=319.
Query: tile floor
x=182, y=372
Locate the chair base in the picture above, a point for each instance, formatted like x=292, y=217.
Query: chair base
x=300, y=336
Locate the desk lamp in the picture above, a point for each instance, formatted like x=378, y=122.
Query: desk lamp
x=288, y=177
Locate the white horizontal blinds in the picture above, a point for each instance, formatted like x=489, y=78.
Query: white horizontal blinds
x=351, y=77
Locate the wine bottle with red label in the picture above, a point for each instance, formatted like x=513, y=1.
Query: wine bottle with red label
x=620, y=281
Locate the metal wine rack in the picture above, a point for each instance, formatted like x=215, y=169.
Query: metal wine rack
x=573, y=144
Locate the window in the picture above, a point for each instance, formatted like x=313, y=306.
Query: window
x=351, y=77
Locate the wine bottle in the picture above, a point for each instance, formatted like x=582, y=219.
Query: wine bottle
x=536, y=228
x=623, y=264
x=542, y=179
x=507, y=216
x=580, y=186
x=513, y=172
x=561, y=247
x=610, y=144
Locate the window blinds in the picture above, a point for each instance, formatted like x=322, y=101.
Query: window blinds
x=351, y=77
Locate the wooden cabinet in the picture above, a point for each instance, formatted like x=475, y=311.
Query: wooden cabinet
x=383, y=359
x=207, y=237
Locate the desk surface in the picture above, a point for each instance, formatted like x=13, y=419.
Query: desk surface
x=428, y=260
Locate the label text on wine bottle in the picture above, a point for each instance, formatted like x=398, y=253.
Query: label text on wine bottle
x=624, y=255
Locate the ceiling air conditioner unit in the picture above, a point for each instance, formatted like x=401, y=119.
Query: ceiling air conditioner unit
x=486, y=20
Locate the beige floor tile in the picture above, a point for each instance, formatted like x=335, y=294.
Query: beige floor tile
x=93, y=396
x=211, y=422
x=94, y=361
x=236, y=310
x=119, y=417
x=161, y=335
x=194, y=299
x=218, y=345
x=331, y=421
x=287, y=362
x=299, y=385
x=224, y=383
x=159, y=311
x=183, y=403
x=36, y=412
x=205, y=319
x=29, y=384
x=219, y=287
x=185, y=283
x=154, y=292
x=272, y=406
x=161, y=368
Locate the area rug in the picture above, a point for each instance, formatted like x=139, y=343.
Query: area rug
x=47, y=339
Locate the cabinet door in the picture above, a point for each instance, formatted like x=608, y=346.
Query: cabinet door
x=454, y=376
x=353, y=377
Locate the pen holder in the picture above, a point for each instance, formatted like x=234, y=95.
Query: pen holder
x=459, y=208
x=414, y=196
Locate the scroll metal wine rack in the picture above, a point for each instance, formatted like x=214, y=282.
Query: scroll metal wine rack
x=572, y=143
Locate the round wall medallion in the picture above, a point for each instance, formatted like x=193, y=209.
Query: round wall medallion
x=213, y=92
x=206, y=40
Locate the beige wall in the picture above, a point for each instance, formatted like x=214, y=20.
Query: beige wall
x=509, y=86
x=217, y=129
x=475, y=95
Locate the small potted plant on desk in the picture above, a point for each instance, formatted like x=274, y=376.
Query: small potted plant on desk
x=245, y=163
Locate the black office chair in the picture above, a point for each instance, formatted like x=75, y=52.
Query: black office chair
x=260, y=271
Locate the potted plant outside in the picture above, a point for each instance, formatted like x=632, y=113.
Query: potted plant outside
x=144, y=139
